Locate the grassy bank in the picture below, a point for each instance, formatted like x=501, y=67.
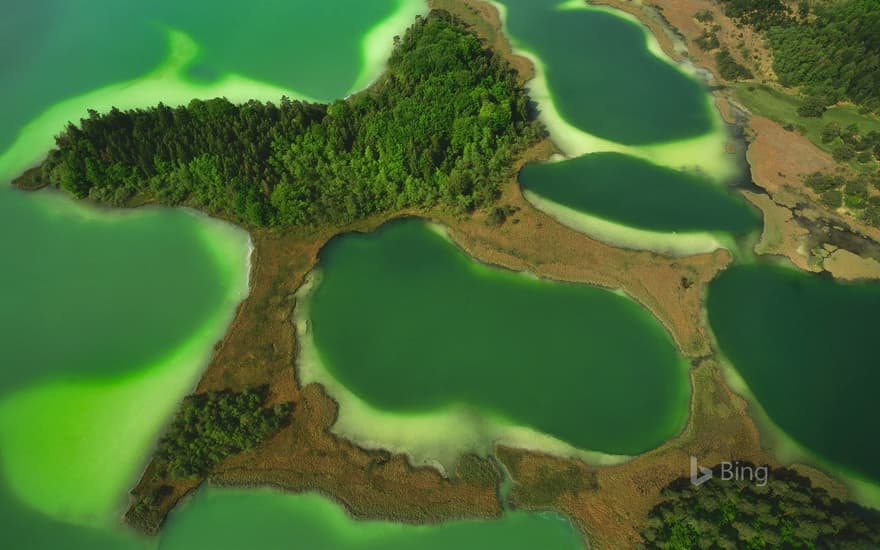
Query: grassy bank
x=782, y=108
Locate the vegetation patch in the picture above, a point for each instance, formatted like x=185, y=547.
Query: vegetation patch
x=552, y=482
x=785, y=512
x=730, y=68
x=860, y=194
x=211, y=426
x=828, y=129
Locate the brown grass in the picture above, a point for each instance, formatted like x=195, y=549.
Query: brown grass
x=260, y=348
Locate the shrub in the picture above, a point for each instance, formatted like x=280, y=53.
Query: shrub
x=830, y=132
x=843, y=152
x=812, y=107
x=704, y=16
x=707, y=41
x=729, y=68
x=832, y=198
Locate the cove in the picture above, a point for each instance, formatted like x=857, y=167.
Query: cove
x=409, y=324
x=637, y=193
x=322, y=50
x=74, y=272
x=806, y=348
x=601, y=76
x=268, y=519
x=107, y=319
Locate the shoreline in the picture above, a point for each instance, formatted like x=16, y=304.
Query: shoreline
x=302, y=457
x=261, y=346
x=794, y=229
x=799, y=223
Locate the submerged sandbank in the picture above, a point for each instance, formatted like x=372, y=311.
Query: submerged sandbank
x=72, y=447
x=378, y=43
x=623, y=236
x=628, y=191
x=788, y=451
x=167, y=83
x=704, y=153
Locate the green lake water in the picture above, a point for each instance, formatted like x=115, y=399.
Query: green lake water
x=806, y=347
x=601, y=76
x=107, y=317
x=634, y=192
x=53, y=49
x=409, y=323
x=97, y=294
x=270, y=520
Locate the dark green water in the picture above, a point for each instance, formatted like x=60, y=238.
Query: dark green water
x=807, y=347
x=411, y=324
x=603, y=79
x=54, y=49
x=90, y=295
x=636, y=193
x=26, y=528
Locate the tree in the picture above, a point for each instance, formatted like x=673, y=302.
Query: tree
x=830, y=132
x=843, y=152
x=729, y=68
x=812, y=107
x=832, y=198
x=212, y=426
x=786, y=512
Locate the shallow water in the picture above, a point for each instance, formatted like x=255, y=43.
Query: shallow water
x=107, y=319
x=806, y=348
x=411, y=325
x=267, y=519
x=53, y=49
x=109, y=316
x=636, y=193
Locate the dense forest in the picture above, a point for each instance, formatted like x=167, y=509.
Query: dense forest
x=441, y=126
x=830, y=48
x=786, y=512
x=210, y=426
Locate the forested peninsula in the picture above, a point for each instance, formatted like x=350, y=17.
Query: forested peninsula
x=441, y=127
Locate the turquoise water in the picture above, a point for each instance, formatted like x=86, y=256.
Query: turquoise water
x=636, y=193
x=412, y=325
